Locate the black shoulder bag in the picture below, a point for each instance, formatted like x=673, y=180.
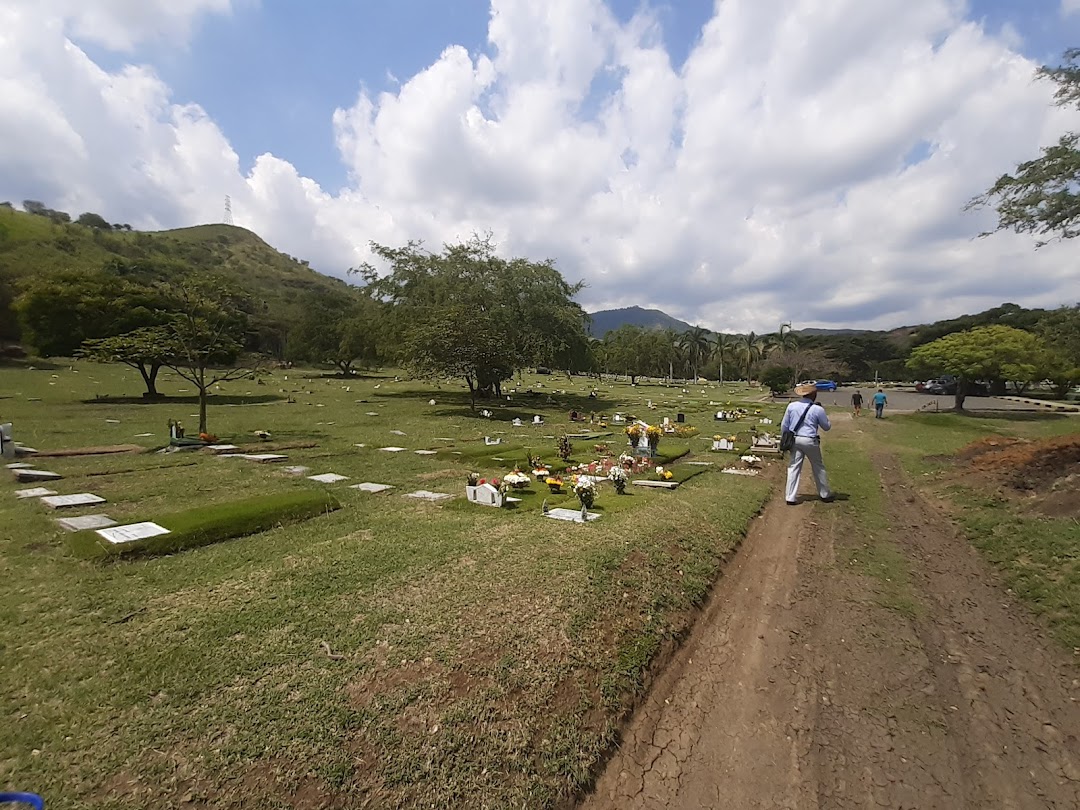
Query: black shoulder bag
x=787, y=438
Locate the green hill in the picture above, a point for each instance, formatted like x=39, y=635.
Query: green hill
x=608, y=320
x=32, y=244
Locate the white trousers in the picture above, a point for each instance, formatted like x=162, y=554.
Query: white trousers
x=806, y=448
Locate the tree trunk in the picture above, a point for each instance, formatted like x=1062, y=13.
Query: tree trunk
x=721, y=371
x=345, y=366
x=472, y=392
x=202, y=409
x=961, y=395
x=149, y=376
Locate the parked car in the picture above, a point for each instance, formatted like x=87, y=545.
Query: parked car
x=946, y=386
x=822, y=385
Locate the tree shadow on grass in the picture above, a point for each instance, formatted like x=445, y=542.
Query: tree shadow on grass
x=253, y=399
x=519, y=406
x=1013, y=416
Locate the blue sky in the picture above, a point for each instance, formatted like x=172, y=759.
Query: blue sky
x=735, y=164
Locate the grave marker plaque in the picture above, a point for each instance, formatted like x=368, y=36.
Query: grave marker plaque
x=117, y=535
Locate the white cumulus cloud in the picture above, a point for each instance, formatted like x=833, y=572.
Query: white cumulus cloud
x=809, y=161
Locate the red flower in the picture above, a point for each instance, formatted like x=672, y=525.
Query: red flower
x=481, y=482
x=494, y=482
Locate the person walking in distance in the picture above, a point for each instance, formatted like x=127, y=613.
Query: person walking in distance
x=856, y=403
x=880, y=401
x=805, y=418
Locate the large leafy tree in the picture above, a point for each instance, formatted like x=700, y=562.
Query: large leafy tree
x=994, y=353
x=1061, y=331
x=1042, y=196
x=343, y=331
x=59, y=311
x=145, y=349
x=467, y=312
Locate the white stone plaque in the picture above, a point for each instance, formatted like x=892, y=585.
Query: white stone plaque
x=392, y=449
x=427, y=452
x=328, y=478
x=296, y=470
x=398, y=432
x=222, y=448
x=34, y=492
x=265, y=458
x=657, y=484
x=29, y=476
x=20, y=465
x=367, y=486
x=426, y=495
x=77, y=524
x=65, y=501
x=132, y=532
x=570, y=515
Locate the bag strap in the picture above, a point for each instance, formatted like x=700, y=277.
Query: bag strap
x=802, y=418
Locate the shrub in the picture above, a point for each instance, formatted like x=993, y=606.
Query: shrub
x=778, y=378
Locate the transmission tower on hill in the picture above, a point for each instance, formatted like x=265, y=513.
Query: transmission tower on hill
x=228, y=210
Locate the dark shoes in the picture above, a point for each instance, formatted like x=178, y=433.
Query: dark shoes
x=830, y=499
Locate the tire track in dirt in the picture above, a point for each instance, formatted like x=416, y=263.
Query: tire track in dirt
x=802, y=687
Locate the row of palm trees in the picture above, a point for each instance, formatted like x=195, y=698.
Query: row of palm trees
x=700, y=348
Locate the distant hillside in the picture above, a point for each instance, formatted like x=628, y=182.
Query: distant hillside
x=813, y=331
x=31, y=244
x=608, y=320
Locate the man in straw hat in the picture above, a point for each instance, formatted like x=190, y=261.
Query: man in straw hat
x=805, y=417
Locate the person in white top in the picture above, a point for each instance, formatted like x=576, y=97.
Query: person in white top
x=805, y=417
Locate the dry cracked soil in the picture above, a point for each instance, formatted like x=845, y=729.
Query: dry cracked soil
x=801, y=688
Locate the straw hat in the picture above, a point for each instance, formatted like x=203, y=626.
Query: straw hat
x=805, y=389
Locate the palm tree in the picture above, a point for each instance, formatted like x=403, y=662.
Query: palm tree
x=723, y=347
x=695, y=342
x=785, y=339
x=754, y=348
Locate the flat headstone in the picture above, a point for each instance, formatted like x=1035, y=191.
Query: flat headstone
x=296, y=470
x=112, y=421
x=426, y=452
x=118, y=535
x=570, y=515
x=29, y=476
x=392, y=449
x=265, y=458
x=359, y=445
x=443, y=439
x=367, y=486
x=426, y=495
x=372, y=413
x=65, y=501
x=735, y=471
x=20, y=465
x=657, y=484
x=78, y=524
x=222, y=448
x=398, y=432
x=34, y=492
x=328, y=478
x=143, y=435
x=699, y=463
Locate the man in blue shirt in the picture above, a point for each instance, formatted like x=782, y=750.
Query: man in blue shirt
x=807, y=442
x=880, y=402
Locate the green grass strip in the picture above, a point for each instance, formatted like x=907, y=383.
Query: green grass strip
x=201, y=526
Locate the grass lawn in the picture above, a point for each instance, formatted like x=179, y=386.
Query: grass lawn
x=1038, y=555
x=393, y=650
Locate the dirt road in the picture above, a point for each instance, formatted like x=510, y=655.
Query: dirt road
x=802, y=688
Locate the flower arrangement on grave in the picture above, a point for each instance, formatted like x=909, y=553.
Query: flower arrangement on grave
x=633, y=433
x=664, y=475
x=554, y=484
x=652, y=436
x=564, y=448
x=685, y=431
x=627, y=461
x=516, y=479
x=618, y=478
x=473, y=480
x=532, y=462
x=585, y=489
x=750, y=461
x=208, y=438
x=494, y=482
x=602, y=449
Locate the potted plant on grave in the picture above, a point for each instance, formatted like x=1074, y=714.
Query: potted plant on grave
x=585, y=489
x=516, y=479
x=664, y=475
x=555, y=484
x=633, y=434
x=618, y=478
x=564, y=448
x=471, y=483
x=652, y=436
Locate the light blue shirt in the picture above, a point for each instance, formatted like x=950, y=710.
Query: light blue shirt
x=816, y=419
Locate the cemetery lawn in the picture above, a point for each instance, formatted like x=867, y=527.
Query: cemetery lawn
x=393, y=651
